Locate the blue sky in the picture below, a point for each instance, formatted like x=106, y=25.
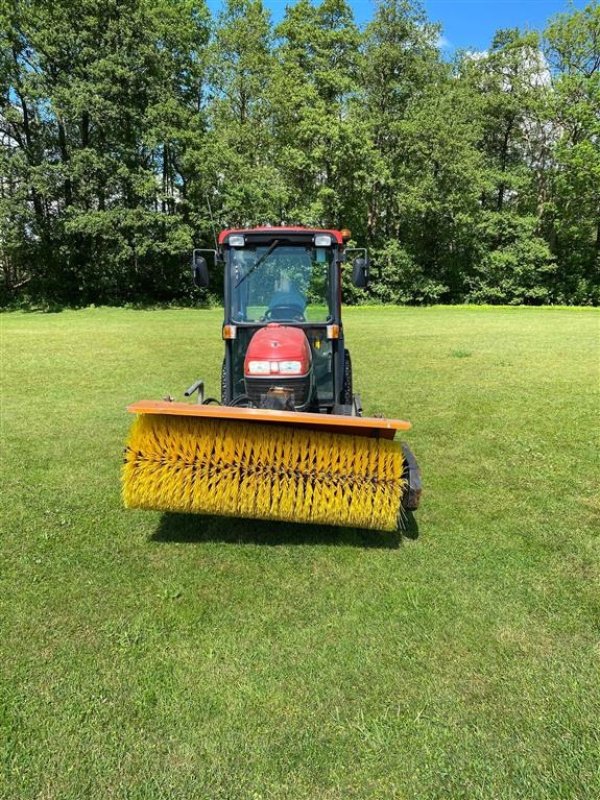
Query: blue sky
x=466, y=23
x=472, y=23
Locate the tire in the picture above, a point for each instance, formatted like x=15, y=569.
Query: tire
x=225, y=389
x=347, y=382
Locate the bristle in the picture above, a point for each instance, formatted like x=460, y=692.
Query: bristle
x=209, y=466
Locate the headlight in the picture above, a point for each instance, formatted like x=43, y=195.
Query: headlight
x=290, y=367
x=322, y=240
x=259, y=368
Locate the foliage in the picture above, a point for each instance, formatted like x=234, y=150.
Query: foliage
x=127, y=127
x=572, y=213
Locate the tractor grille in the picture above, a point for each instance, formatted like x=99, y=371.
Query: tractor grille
x=256, y=387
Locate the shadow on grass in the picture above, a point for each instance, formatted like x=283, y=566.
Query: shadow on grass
x=233, y=530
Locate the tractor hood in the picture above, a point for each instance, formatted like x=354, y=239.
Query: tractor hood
x=278, y=350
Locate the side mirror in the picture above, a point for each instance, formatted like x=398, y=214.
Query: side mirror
x=200, y=271
x=360, y=272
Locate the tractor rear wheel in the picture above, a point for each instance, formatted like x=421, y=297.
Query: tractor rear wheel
x=347, y=383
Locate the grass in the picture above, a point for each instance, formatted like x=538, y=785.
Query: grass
x=154, y=657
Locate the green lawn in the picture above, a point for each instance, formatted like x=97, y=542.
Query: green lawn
x=148, y=657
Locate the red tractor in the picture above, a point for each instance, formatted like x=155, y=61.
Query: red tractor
x=285, y=370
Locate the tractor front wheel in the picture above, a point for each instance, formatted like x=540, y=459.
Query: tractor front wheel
x=225, y=388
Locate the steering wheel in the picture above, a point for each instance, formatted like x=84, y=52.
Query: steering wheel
x=285, y=312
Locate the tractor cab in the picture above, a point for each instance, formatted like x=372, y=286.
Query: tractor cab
x=284, y=340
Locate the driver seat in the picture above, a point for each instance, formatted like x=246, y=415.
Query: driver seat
x=286, y=306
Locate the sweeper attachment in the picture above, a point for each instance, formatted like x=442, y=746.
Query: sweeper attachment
x=288, y=440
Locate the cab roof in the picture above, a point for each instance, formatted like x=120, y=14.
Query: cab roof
x=266, y=229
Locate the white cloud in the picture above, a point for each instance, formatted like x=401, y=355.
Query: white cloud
x=476, y=55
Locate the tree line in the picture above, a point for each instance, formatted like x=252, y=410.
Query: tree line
x=129, y=129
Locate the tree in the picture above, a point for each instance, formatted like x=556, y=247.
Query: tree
x=95, y=98
x=572, y=214
x=126, y=125
x=514, y=262
x=241, y=173
x=422, y=185
x=318, y=146
x=400, y=60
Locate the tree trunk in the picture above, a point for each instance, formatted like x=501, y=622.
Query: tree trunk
x=65, y=158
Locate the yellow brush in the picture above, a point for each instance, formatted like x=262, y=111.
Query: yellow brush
x=212, y=466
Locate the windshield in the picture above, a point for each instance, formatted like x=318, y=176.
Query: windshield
x=280, y=282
